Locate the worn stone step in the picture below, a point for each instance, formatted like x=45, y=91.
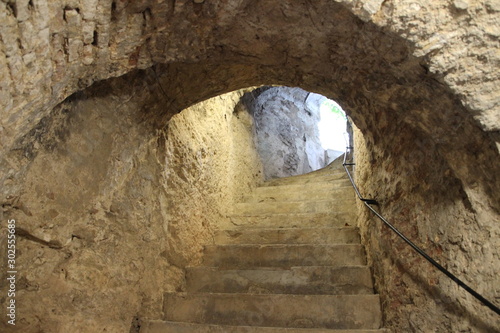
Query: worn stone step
x=294, y=207
x=310, y=179
x=339, y=184
x=287, y=236
x=247, y=256
x=157, y=326
x=306, y=220
x=275, y=310
x=299, y=193
x=315, y=280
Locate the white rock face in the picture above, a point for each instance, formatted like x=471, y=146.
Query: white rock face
x=287, y=135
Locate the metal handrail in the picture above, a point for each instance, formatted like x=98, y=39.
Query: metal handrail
x=369, y=202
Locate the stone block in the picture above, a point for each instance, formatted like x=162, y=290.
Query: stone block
x=248, y=256
x=89, y=9
x=75, y=47
x=88, y=54
x=312, y=280
x=73, y=23
x=320, y=311
x=302, y=235
x=88, y=29
x=23, y=11
x=29, y=58
x=370, y=8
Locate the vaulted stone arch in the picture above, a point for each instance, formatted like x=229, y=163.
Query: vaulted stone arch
x=418, y=79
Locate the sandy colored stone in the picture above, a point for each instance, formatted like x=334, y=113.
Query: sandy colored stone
x=176, y=327
x=294, y=311
x=282, y=255
x=301, y=235
x=324, y=280
x=419, y=79
x=83, y=247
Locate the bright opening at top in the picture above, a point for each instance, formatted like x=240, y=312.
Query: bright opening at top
x=332, y=126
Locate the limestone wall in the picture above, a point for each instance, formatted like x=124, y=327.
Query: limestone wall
x=109, y=208
x=211, y=162
x=50, y=49
x=90, y=216
x=421, y=195
x=419, y=79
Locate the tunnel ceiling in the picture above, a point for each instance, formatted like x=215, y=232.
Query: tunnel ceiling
x=327, y=46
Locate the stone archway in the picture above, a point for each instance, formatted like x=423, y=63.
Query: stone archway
x=429, y=128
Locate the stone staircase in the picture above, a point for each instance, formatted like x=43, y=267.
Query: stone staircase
x=292, y=262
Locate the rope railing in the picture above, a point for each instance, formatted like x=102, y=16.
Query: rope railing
x=369, y=202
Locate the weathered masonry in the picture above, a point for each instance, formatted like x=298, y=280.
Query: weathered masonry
x=114, y=190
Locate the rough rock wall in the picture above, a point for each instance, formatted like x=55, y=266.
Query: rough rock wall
x=91, y=234
x=109, y=208
x=415, y=77
x=420, y=195
x=50, y=49
x=211, y=162
x=286, y=131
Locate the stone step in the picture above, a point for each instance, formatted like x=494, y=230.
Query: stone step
x=299, y=193
x=331, y=178
x=287, y=236
x=250, y=256
x=157, y=326
x=276, y=310
x=293, y=207
x=314, y=280
x=306, y=220
x=338, y=184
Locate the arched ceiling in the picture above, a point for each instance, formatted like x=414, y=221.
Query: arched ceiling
x=80, y=42
x=419, y=78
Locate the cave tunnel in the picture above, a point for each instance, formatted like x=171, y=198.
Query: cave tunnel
x=91, y=171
